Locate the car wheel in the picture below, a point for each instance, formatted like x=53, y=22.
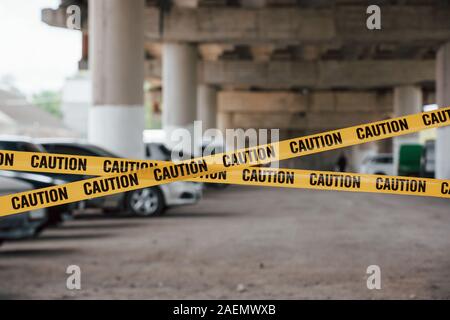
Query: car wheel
x=218, y=186
x=145, y=202
x=57, y=215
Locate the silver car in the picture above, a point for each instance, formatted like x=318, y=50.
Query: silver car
x=23, y=225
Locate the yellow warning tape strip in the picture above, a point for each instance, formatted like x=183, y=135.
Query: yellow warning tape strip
x=149, y=175
x=328, y=180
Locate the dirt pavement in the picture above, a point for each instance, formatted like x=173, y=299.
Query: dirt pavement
x=245, y=242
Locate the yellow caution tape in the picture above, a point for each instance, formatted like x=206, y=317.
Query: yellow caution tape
x=98, y=166
x=328, y=180
x=148, y=174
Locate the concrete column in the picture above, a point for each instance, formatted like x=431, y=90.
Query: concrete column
x=224, y=122
x=152, y=100
x=179, y=88
x=384, y=146
x=358, y=154
x=443, y=99
x=83, y=63
x=116, y=52
x=207, y=106
x=407, y=100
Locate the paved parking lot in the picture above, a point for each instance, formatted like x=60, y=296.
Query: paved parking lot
x=245, y=242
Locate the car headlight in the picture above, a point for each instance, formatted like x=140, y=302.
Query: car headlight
x=37, y=214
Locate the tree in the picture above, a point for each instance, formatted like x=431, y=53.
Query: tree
x=48, y=100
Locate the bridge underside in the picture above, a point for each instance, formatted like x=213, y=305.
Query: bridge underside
x=300, y=66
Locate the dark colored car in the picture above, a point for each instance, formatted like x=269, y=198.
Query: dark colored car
x=150, y=201
x=56, y=214
x=23, y=225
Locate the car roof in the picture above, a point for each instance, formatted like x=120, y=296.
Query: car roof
x=154, y=136
x=380, y=155
x=8, y=184
x=13, y=138
x=60, y=141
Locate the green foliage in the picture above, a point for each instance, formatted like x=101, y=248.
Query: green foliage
x=48, y=100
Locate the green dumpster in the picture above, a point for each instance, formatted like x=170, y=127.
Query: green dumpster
x=409, y=160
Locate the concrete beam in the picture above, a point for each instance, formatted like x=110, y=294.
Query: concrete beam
x=315, y=121
x=212, y=51
x=331, y=102
x=261, y=53
x=54, y=17
x=58, y=17
x=425, y=24
x=321, y=74
x=443, y=99
x=402, y=24
x=261, y=102
x=322, y=110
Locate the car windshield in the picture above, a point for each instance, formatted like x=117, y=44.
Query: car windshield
x=157, y=151
x=384, y=160
x=79, y=150
x=165, y=151
x=102, y=152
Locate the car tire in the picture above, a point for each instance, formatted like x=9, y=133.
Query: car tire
x=146, y=202
x=57, y=215
x=218, y=186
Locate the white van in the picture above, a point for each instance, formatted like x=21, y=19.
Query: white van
x=382, y=163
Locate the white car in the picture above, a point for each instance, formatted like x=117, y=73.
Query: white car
x=382, y=163
x=150, y=201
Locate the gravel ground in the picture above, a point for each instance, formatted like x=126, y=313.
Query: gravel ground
x=244, y=242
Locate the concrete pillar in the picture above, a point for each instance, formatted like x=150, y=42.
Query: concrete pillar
x=384, y=146
x=224, y=122
x=207, y=106
x=358, y=154
x=83, y=63
x=152, y=100
x=179, y=88
x=116, y=48
x=407, y=100
x=443, y=99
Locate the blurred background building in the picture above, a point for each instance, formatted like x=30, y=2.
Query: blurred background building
x=20, y=117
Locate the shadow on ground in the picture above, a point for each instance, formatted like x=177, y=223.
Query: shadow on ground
x=80, y=236
x=39, y=252
x=171, y=215
x=98, y=226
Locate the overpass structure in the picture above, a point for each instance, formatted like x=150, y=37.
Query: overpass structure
x=299, y=65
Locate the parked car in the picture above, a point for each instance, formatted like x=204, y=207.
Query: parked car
x=159, y=151
x=56, y=214
x=23, y=225
x=150, y=201
x=409, y=160
x=427, y=161
x=208, y=149
x=382, y=163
